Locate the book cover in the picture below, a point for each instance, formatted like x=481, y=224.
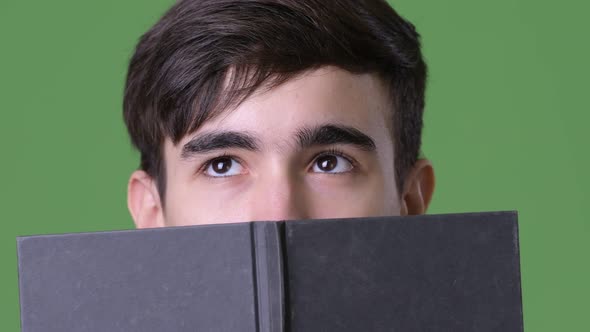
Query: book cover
x=454, y=272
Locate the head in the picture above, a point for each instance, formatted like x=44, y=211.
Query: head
x=276, y=110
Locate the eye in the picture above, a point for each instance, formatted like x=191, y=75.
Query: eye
x=332, y=164
x=223, y=166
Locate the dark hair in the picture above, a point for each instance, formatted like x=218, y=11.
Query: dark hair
x=205, y=56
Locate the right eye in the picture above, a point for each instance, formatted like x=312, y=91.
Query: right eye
x=223, y=167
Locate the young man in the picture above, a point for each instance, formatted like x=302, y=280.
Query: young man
x=276, y=110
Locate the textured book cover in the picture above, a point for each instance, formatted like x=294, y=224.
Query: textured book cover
x=454, y=272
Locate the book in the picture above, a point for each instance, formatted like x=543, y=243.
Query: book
x=452, y=272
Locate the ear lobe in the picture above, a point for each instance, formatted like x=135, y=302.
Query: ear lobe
x=143, y=201
x=418, y=188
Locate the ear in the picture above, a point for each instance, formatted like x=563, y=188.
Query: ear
x=143, y=201
x=418, y=188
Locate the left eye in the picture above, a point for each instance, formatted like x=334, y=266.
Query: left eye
x=331, y=164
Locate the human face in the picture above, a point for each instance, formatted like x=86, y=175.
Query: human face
x=317, y=146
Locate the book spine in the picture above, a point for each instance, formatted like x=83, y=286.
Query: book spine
x=268, y=263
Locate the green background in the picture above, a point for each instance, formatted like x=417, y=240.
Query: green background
x=505, y=127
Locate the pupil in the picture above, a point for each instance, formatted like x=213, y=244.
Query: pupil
x=327, y=163
x=222, y=165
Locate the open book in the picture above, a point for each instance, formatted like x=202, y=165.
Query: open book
x=454, y=272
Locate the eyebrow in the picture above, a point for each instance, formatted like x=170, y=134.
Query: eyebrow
x=306, y=137
x=217, y=141
x=334, y=134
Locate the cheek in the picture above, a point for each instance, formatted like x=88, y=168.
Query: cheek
x=369, y=197
x=192, y=203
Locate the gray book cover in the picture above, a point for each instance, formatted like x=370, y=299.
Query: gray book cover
x=454, y=272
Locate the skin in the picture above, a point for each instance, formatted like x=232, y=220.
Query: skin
x=280, y=160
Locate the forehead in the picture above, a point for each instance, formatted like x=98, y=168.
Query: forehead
x=327, y=95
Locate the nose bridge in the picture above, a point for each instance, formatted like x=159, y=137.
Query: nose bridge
x=279, y=197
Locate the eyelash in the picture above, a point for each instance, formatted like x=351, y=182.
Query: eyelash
x=329, y=152
x=208, y=163
x=335, y=152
